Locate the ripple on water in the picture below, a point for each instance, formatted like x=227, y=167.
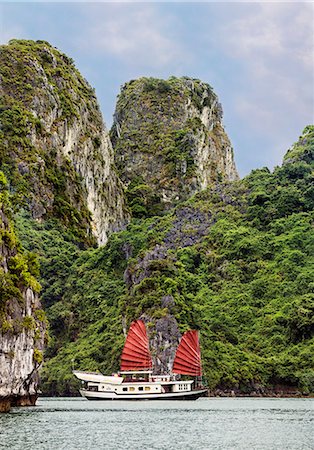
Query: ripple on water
x=75, y=424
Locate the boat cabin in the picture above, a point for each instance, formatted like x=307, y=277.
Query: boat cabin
x=133, y=383
x=136, y=379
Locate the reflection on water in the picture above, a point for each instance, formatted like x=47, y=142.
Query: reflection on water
x=208, y=423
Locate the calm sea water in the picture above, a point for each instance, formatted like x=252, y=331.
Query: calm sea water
x=208, y=423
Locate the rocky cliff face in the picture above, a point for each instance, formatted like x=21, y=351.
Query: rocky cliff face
x=164, y=336
x=169, y=141
x=55, y=149
x=22, y=321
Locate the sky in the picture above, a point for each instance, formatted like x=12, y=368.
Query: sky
x=258, y=57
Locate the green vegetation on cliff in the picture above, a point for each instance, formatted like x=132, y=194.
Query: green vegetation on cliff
x=18, y=269
x=238, y=261
x=41, y=94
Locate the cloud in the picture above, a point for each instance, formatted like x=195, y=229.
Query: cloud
x=135, y=35
x=272, y=30
x=275, y=45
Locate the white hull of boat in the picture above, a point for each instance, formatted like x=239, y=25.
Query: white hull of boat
x=188, y=395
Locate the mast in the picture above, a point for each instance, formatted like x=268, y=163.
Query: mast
x=136, y=354
x=188, y=356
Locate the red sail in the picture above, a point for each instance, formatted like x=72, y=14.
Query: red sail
x=136, y=354
x=188, y=355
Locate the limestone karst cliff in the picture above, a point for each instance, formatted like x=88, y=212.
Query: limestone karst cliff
x=234, y=261
x=55, y=149
x=22, y=321
x=169, y=141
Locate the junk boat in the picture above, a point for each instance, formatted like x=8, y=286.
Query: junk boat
x=136, y=380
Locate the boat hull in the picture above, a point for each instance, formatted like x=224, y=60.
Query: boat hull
x=189, y=395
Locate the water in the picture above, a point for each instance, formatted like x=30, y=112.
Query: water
x=208, y=423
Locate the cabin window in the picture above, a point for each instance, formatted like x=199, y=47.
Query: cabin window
x=125, y=389
x=93, y=388
x=147, y=388
x=140, y=388
x=131, y=388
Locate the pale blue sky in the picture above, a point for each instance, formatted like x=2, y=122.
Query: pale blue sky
x=257, y=56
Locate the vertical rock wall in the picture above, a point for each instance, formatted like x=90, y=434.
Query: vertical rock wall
x=21, y=347
x=22, y=323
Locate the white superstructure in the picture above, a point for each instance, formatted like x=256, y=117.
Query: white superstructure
x=135, y=386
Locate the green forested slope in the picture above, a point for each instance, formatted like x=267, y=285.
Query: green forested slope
x=237, y=260
x=19, y=271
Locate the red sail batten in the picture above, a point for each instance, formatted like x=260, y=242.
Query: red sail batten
x=188, y=356
x=136, y=354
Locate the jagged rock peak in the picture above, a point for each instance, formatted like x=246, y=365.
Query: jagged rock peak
x=22, y=322
x=56, y=150
x=303, y=150
x=169, y=141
